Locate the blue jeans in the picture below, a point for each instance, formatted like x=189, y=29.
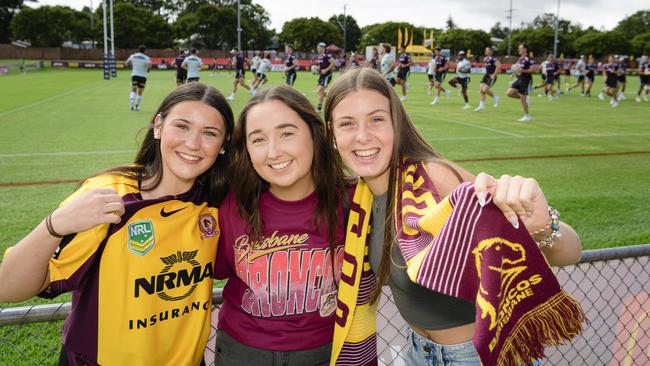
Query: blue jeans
x=421, y=351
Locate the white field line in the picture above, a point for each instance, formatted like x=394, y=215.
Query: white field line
x=512, y=134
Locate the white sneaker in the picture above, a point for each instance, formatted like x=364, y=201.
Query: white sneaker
x=447, y=92
x=231, y=97
x=525, y=118
x=252, y=91
x=614, y=104
x=601, y=96
x=638, y=99
x=550, y=98
x=429, y=92
x=496, y=101
x=621, y=96
x=403, y=98
x=435, y=100
x=611, y=101
x=645, y=99
x=467, y=106
x=479, y=108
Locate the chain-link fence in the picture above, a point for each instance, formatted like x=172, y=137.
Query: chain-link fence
x=612, y=285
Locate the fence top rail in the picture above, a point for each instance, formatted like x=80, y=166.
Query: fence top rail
x=606, y=254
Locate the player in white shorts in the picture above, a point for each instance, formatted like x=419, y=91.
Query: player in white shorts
x=262, y=68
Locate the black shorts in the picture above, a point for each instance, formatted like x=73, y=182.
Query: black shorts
x=645, y=80
x=240, y=74
x=581, y=78
x=440, y=76
x=324, y=80
x=404, y=73
x=430, y=76
x=254, y=71
x=550, y=80
x=260, y=76
x=291, y=77
x=487, y=80
x=612, y=82
x=591, y=76
x=189, y=80
x=138, y=81
x=621, y=79
x=543, y=76
x=522, y=86
x=462, y=81
x=181, y=77
x=392, y=81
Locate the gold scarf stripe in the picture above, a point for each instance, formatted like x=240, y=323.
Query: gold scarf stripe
x=365, y=323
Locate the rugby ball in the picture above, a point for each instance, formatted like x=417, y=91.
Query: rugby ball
x=515, y=69
x=465, y=70
x=315, y=69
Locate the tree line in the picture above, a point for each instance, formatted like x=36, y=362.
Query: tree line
x=212, y=24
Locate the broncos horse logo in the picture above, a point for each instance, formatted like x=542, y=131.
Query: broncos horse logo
x=499, y=255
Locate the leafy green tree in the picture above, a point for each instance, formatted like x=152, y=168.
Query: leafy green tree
x=450, y=23
x=601, y=44
x=465, y=39
x=50, y=26
x=635, y=24
x=8, y=10
x=499, y=31
x=641, y=44
x=353, y=32
x=216, y=24
x=134, y=26
x=306, y=33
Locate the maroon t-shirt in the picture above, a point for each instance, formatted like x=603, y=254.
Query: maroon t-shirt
x=280, y=295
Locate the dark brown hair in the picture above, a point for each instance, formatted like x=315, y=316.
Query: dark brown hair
x=148, y=164
x=326, y=172
x=408, y=142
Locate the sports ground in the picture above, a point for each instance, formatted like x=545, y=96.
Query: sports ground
x=592, y=161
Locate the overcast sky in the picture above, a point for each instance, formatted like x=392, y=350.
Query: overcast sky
x=481, y=14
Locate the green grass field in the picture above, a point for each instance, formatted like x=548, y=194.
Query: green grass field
x=591, y=160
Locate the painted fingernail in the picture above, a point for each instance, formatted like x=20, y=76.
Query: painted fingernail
x=480, y=196
x=514, y=221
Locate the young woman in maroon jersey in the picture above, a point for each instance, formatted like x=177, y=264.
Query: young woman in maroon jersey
x=373, y=133
x=282, y=235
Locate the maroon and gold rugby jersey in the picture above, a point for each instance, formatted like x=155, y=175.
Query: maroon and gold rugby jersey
x=141, y=289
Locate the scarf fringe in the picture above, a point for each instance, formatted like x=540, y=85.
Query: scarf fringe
x=552, y=323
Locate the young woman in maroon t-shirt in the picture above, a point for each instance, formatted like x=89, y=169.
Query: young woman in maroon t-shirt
x=282, y=236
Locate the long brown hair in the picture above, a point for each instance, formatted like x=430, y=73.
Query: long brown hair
x=408, y=142
x=326, y=172
x=148, y=163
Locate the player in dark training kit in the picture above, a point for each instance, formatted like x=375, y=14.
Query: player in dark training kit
x=290, y=65
x=644, y=76
x=326, y=64
x=611, y=72
x=181, y=73
x=592, y=68
x=492, y=67
x=439, y=74
x=520, y=88
x=404, y=71
x=240, y=62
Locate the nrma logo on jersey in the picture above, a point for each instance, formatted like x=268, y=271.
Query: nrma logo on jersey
x=141, y=237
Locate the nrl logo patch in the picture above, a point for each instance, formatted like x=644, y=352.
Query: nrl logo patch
x=141, y=237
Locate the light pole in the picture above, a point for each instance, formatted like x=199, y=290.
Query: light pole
x=238, y=25
x=510, y=28
x=557, y=26
x=344, y=28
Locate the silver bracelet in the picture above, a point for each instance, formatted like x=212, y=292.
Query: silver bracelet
x=549, y=240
